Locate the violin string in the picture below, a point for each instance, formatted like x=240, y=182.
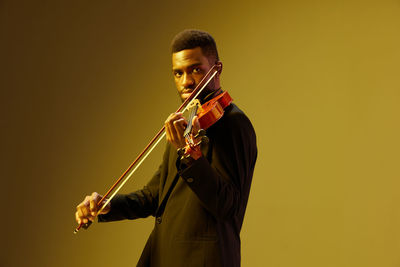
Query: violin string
x=189, y=126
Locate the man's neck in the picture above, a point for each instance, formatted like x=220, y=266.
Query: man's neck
x=211, y=96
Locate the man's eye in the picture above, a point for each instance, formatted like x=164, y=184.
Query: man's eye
x=196, y=70
x=177, y=74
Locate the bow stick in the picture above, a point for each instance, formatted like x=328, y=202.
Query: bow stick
x=149, y=148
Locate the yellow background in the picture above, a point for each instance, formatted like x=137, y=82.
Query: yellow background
x=86, y=84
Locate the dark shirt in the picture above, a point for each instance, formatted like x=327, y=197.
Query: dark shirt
x=199, y=210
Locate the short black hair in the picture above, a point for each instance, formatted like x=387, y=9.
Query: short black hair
x=189, y=39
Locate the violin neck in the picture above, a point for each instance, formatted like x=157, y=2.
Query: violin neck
x=192, y=113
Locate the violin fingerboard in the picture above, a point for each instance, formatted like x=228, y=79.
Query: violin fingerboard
x=192, y=113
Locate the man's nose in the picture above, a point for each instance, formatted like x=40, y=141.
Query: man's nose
x=187, y=80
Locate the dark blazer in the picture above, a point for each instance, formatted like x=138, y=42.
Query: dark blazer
x=198, y=210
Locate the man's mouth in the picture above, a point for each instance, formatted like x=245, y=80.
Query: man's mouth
x=186, y=93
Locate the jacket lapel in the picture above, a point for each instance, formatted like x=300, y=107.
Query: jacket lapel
x=171, y=176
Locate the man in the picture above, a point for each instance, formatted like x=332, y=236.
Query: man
x=199, y=203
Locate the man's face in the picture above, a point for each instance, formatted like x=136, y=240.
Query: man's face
x=189, y=67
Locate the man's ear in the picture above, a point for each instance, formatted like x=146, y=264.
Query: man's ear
x=220, y=68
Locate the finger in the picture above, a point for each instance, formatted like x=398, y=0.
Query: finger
x=174, y=116
x=93, y=207
x=168, y=127
x=179, y=129
x=174, y=127
x=106, y=208
x=83, y=207
x=195, y=125
x=81, y=217
x=85, y=202
x=168, y=132
x=94, y=199
x=82, y=210
x=179, y=126
x=77, y=217
x=79, y=212
x=173, y=134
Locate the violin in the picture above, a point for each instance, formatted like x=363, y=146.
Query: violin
x=208, y=114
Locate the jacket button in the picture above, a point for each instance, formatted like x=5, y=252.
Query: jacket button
x=190, y=180
x=158, y=220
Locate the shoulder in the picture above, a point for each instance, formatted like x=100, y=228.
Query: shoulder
x=233, y=125
x=235, y=118
x=234, y=134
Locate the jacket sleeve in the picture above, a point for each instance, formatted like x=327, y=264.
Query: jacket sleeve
x=222, y=181
x=138, y=204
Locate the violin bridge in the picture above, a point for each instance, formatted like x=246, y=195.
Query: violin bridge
x=195, y=103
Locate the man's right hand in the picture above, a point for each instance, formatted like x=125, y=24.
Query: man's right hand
x=88, y=208
x=174, y=128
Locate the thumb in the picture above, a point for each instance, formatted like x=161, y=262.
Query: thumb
x=106, y=208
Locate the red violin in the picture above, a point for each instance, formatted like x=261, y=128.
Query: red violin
x=213, y=110
x=208, y=114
